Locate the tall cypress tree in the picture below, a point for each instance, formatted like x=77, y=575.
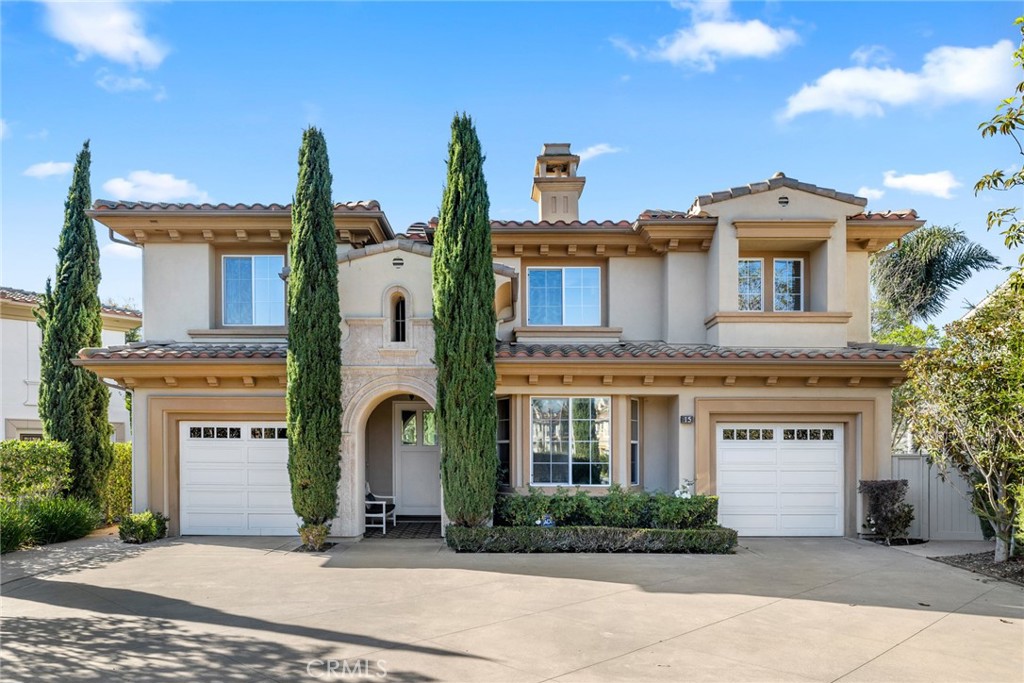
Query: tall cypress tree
x=314, y=340
x=464, y=324
x=72, y=400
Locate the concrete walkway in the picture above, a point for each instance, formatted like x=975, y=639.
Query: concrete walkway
x=229, y=609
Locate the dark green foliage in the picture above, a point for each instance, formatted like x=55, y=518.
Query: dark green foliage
x=61, y=519
x=624, y=509
x=570, y=539
x=464, y=326
x=314, y=340
x=33, y=468
x=116, y=501
x=887, y=515
x=72, y=400
x=143, y=527
x=16, y=527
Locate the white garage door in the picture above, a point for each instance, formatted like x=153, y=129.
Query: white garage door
x=781, y=479
x=234, y=479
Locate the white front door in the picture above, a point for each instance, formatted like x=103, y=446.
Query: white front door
x=417, y=460
x=234, y=479
x=781, y=479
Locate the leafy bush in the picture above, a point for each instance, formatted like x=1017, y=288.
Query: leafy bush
x=16, y=527
x=619, y=508
x=61, y=519
x=698, y=512
x=143, y=527
x=116, y=496
x=887, y=515
x=569, y=539
x=314, y=535
x=625, y=509
x=34, y=468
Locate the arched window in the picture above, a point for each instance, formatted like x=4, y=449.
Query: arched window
x=398, y=319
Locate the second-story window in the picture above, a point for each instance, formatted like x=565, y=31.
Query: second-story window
x=788, y=284
x=253, y=290
x=751, y=284
x=398, y=319
x=564, y=296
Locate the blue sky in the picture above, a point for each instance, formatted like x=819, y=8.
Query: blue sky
x=191, y=101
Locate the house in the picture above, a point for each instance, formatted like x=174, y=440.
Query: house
x=19, y=411
x=728, y=344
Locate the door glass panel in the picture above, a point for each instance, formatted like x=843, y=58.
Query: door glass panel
x=429, y=428
x=409, y=427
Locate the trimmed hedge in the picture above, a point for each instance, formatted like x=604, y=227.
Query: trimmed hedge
x=584, y=539
x=116, y=496
x=34, y=468
x=624, y=509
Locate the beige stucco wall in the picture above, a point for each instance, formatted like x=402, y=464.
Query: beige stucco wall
x=658, y=418
x=19, y=406
x=778, y=334
x=685, y=297
x=635, y=297
x=379, y=448
x=177, y=289
x=858, y=295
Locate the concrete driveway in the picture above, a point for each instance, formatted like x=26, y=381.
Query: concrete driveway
x=230, y=609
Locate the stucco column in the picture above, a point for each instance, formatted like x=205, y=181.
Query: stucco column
x=620, y=441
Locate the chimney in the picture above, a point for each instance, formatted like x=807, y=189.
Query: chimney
x=556, y=187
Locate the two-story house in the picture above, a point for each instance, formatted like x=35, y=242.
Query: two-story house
x=21, y=339
x=727, y=344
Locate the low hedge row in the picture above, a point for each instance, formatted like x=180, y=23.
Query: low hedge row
x=588, y=539
x=116, y=497
x=619, y=508
x=30, y=469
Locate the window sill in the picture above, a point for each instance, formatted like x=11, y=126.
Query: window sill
x=565, y=333
x=813, y=317
x=241, y=331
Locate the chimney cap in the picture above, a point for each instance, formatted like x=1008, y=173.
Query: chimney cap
x=555, y=148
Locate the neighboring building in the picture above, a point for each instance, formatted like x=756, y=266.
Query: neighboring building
x=21, y=341
x=727, y=344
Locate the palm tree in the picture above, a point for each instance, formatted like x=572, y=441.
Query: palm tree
x=914, y=277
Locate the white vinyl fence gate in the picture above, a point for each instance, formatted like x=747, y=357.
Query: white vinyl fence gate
x=942, y=509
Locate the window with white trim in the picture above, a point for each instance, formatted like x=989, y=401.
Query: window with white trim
x=751, y=284
x=570, y=441
x=634, y=441
x=564, y=296
x=253, y=290
x=788, y=284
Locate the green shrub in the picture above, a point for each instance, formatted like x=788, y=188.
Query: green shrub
x=887, y=515
x=516, y=510
x=698, y=512
x=16, y=527
x=61, y=519
x=143, y=527
x=625, y=509
x=116, y=497
x=34, y=468
x=314, y=536
x=567, y=539
x=578, y=509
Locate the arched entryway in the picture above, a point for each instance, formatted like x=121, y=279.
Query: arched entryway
x=390, y=447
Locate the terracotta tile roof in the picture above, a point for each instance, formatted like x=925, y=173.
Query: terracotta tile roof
x=687, y=352
x=111, y=205
x=561, y=225
x=776, y=181
x=897, y=215
x=26, y=297
x=669, y=215
x=186, y=351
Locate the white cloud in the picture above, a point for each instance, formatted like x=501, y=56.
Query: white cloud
x=713, y=36
x=114, y=83
x=41, y=134
x=871, y=54
x=46, y=169
x=113, y=30
x=597, y=150
x=146, y=186
x=5, y=130
x=870, y=192
x=121, y=251
x=949, y=74
x=937, y=184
